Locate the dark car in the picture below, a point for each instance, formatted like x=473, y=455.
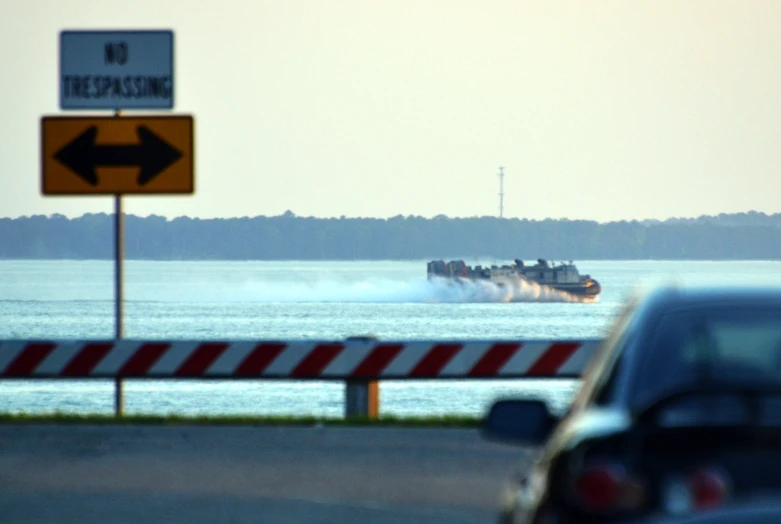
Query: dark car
x=679, y=412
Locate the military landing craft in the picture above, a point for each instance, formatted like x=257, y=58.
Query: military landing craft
x=562, y=277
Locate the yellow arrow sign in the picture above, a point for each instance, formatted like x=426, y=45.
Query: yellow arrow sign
x=117, y=155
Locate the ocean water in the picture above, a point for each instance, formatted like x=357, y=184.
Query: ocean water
x=309, y=300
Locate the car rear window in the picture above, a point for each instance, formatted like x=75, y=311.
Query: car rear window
x=739, y=345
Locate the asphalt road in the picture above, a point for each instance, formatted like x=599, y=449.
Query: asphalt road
x=112, y=474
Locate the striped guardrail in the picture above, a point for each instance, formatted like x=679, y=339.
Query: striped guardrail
x=360, y=363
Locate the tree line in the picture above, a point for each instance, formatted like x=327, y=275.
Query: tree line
x=742, y=236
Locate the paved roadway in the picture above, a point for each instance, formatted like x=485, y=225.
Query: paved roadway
x=112, y=474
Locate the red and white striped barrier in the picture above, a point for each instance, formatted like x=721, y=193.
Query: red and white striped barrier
x=295, y=359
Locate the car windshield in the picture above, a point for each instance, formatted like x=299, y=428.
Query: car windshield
x=735, y=345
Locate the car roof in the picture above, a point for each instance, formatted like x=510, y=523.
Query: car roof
x=697, y=295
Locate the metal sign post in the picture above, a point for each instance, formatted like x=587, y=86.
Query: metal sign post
x=117, y=155
x=119, y=255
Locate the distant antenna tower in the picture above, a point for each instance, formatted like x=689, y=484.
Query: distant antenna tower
x=501, y=192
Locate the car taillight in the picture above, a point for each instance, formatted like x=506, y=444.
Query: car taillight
x=700, y=489
x=608, y=487
x=709, y=488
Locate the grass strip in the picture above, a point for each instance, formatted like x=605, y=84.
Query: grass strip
x=454, y=421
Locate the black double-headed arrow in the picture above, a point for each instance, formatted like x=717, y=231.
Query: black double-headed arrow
x=152, y=155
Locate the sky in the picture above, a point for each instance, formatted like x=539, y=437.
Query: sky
x=607, y=110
